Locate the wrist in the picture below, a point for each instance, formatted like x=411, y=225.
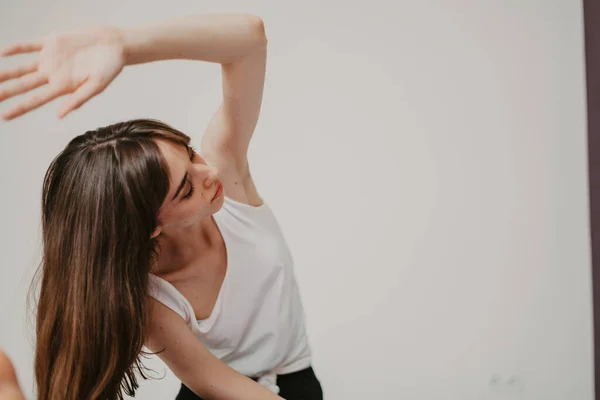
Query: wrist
x=137, y=46
x=125, y=45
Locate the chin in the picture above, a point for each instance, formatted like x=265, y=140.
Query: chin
x=218, y=203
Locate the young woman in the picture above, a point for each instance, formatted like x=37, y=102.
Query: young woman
x=149, y=243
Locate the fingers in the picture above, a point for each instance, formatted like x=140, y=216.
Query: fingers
x=18, y=72
x=46, y=94
x=21, y=48
x=87, y=90
x=25, y=84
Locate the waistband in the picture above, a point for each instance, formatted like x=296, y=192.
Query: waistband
x=269, y=380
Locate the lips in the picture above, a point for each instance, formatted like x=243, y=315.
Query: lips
x=219, y=191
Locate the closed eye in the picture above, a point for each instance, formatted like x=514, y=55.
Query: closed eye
x=191, y=191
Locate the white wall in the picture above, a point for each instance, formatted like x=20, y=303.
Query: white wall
x=426, y=159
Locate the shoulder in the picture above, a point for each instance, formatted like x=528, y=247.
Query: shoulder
x=236, y=178
x=162, y=324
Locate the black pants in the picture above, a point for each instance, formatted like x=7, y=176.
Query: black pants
x=301, y=385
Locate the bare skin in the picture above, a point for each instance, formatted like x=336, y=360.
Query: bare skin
x=9, y=387
x=81, y=64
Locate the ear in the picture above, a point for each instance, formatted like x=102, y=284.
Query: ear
x=156, y=232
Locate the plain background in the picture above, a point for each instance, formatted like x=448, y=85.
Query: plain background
x=427, y=163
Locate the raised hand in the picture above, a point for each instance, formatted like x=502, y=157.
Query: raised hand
x=81, y=62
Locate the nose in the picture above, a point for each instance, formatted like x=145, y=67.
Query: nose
x=212, y=175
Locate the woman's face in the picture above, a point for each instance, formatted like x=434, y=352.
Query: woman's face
x=195, y=191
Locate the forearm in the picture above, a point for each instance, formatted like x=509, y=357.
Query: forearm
x=212, y=379
x=219, y=38
x=220, y=384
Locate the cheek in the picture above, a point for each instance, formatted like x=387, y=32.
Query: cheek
x=188, y=212
x=197, y=208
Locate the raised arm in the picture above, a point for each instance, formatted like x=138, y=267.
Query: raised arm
x=238, y=42
x=84, y=61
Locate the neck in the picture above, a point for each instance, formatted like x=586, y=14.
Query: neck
x=180, y=247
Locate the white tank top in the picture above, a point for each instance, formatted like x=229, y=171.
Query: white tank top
x=257, y=325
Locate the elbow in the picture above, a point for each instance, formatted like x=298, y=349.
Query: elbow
x=258, y=28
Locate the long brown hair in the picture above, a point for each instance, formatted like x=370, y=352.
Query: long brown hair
x=100, y=202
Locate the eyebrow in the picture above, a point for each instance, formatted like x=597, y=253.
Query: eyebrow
x=181, y=185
